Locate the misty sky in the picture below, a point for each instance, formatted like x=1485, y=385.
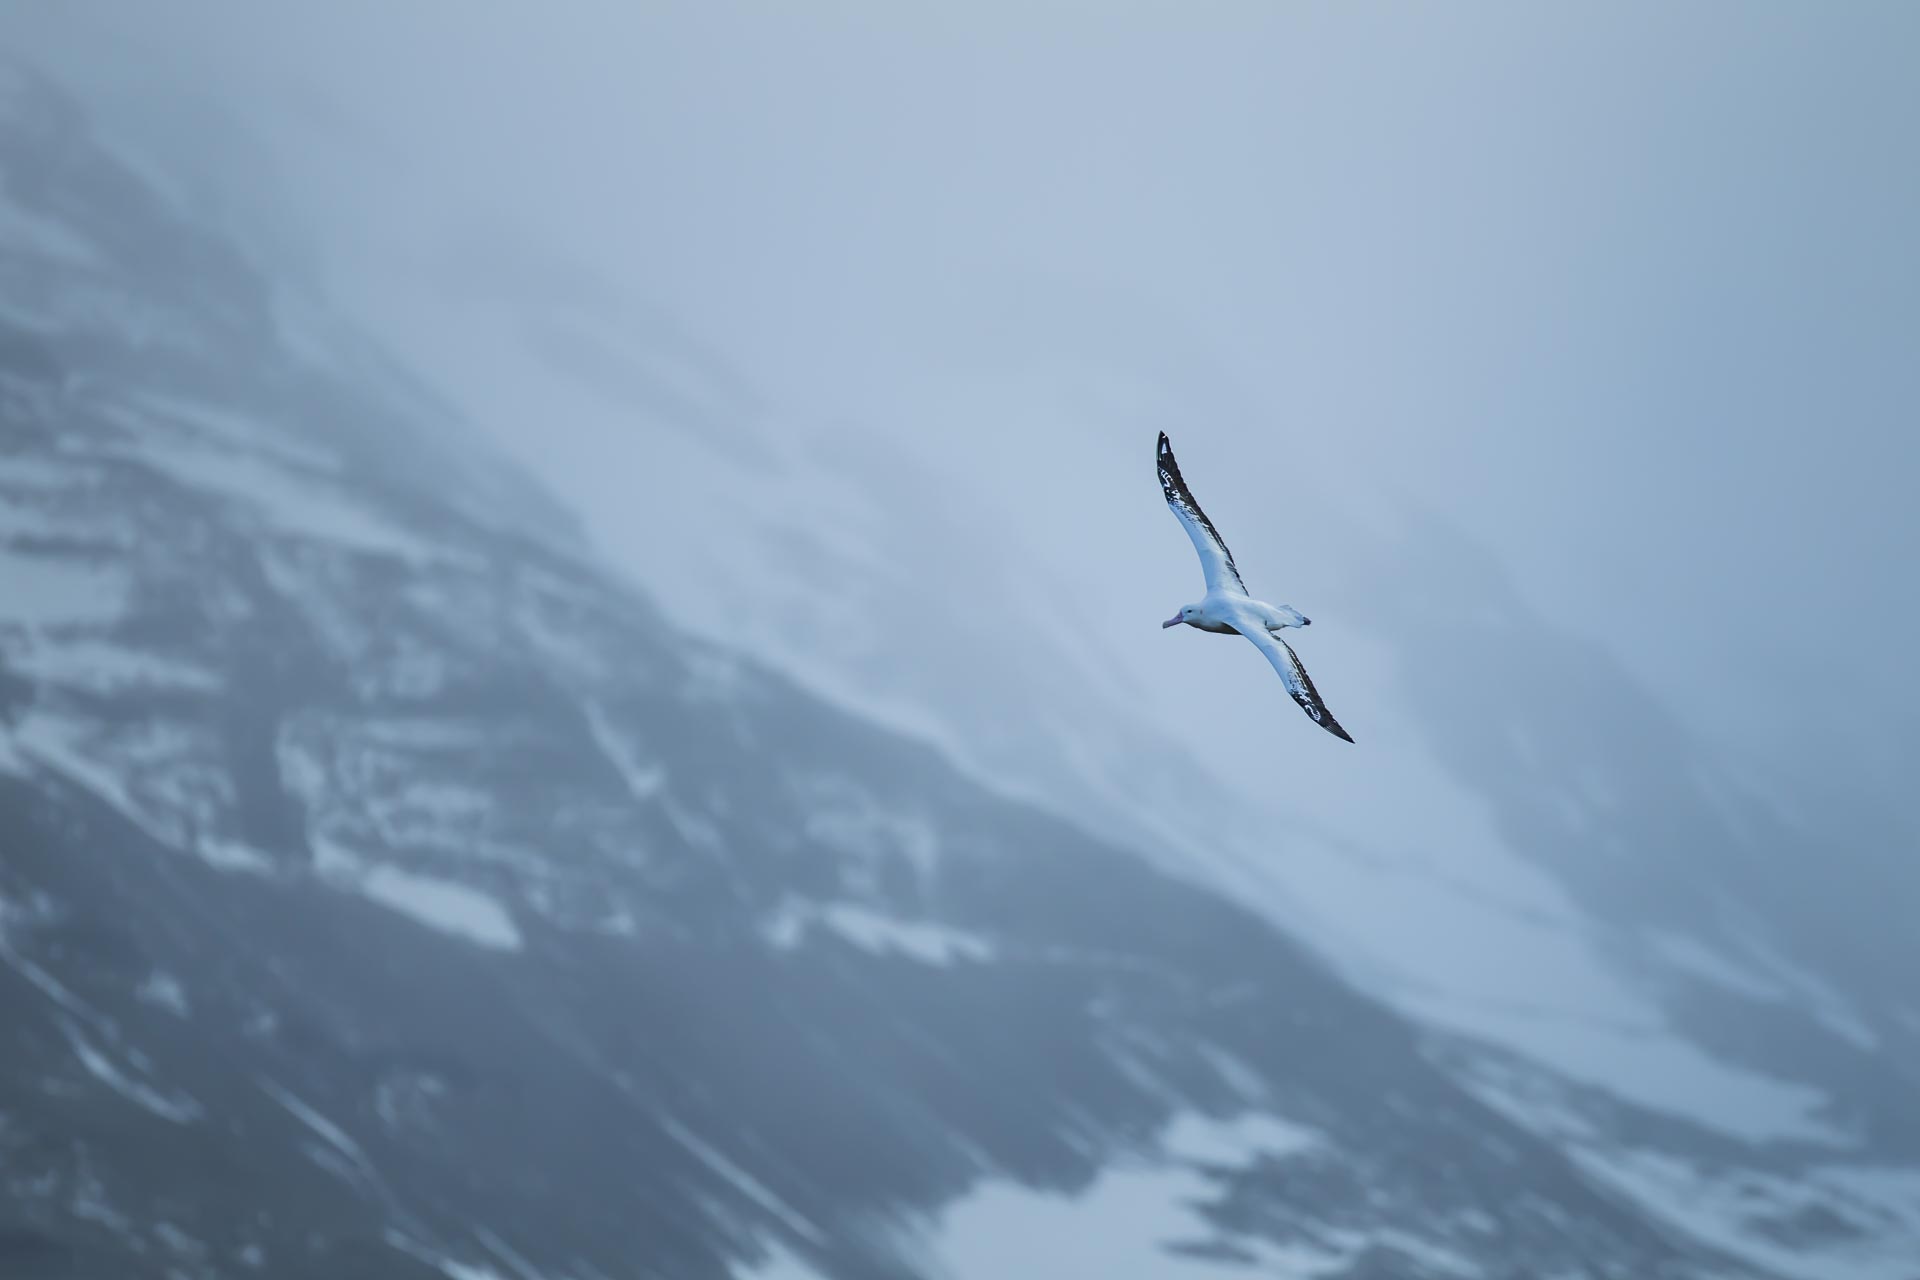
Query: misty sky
x=1629, y=293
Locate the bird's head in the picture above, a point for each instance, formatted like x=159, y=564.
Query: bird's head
x=1187, y=614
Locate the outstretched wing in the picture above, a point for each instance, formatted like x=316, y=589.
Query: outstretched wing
x=1215, y=560
x=1292, y=674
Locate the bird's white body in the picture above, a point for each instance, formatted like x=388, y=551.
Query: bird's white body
x=1227, y=609
x=1217, y=611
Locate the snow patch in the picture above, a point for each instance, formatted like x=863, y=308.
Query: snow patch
x=90, y=1204
x=1247, y=1084
x=48, y=985
x=644, y=781
x=927, y=941
x=233, y=855
x=439, y=904
x=50, y=742
x=443, y=905
x=1651, y=1065
x=434, y=815
x=162, y=990
x=177, y=1241
x=307, y=506
x=744, y=1182
x=1723, y=1208
x=452, y=1268
x=1198, y=1140
x=330, y=1132
x=102, y=667
x=1564, y=1007
x=222, y=426
x=180, y=1110
x=781, y=1264
x=1121, y=1226
x=848, y=820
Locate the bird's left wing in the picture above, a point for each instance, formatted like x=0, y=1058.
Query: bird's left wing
x=1292, y=674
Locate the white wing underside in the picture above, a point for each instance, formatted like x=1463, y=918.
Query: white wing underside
x=1216, y=562
x=1292, y=673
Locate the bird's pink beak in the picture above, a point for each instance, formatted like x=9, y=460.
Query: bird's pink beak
x=1174, y=621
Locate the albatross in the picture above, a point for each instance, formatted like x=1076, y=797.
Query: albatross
x=1227, y=609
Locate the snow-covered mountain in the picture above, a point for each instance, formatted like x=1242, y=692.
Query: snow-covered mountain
x=387, y=888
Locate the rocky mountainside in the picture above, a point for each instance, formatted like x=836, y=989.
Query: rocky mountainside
x=387, y=890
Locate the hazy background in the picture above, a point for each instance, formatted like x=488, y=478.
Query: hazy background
x=1627, y=292
x=1558, y=362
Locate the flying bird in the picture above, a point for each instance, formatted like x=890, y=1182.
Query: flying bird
x=1227, y=608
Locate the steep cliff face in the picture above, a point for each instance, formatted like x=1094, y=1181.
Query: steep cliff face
x=387, y=891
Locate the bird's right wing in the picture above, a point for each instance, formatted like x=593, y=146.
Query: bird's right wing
x=1215, y=560
x=1292, y=674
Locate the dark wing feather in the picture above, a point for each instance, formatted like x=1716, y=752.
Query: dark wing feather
x=1215, y=560
x=1309, y=697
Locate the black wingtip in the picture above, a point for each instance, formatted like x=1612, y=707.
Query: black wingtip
x=1166, y=445
x=1324, y=718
